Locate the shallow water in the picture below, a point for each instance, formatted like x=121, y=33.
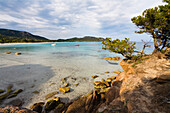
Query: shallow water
x=42, y=64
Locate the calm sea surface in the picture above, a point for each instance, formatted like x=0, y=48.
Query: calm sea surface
x=88, y=57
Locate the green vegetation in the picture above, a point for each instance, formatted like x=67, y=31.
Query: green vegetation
x=155, y=21
x=123, y=47
x=11, y=36
x=84, y=39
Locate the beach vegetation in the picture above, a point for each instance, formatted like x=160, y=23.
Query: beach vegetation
x=155, y=22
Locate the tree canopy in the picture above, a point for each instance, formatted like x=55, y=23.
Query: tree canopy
x=123, y=47
x=155, y=21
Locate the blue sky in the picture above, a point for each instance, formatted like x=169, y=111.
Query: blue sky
x=56, y=19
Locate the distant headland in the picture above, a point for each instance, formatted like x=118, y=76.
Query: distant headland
x=15, y=36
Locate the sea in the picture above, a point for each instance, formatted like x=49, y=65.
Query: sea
x=87, y=56
x=41, y=66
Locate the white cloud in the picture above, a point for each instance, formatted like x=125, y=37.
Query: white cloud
x=68, y=18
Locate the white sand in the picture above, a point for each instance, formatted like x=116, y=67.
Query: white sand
x=39, y=73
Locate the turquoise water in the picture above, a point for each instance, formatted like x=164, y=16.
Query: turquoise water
x=64, y=49
x=42, y=64
x=86, y=59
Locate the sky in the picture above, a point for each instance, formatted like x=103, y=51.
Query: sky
x=57, y=19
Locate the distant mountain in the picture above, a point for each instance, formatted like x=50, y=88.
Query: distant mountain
x=84, y=39
x=7, y=35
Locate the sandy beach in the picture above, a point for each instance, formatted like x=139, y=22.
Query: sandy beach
x=41, y=74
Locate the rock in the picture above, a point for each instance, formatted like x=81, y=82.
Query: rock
x=15, y=93
x=112, y=77
x=127, y=67
x=101, y=86
x=97, y=82
x=37, y=107
x=36, y=92
x=108, y=80
x=51, y=104
x=59, y=108
x=106, y=83
x=102, y=96
x=63, y=79
x=76, y=84
x=52, y=84
x=113, y=58
x=103, y=90
x=163, y=77
x=78, y=106
x=107, y=72
x=116, y=72
x=102, y=80
x=13, y=109
x=64, y=89
x=83, y=78
x=7, y=53
x=112, y=93
x=65, y=85
x=1, y=91
x=9, y=90
x=16, y=102
x=49, y=95
x=56, y=98
x=17, y=53
x=95, y=76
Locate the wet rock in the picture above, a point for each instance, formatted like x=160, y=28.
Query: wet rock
x=95, y=76
x=113, y=58
x=107, y=72
x=52, y=84
x=64, y=89
x=7, y=53
x=108, y=80
x=9, y=90
x=67, y=84
x=97, y=82
x=63, y=79
x=106, y=83
x=112, y=78
x=116, y=72
x=36, y=92
x=37, y=107
x=76, y=84
x=15, y=93
x=2, y=91
x=17, y=53
x=102, y=80
x=49, y=95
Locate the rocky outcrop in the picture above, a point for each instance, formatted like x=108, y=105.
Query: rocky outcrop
x=142, y=89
